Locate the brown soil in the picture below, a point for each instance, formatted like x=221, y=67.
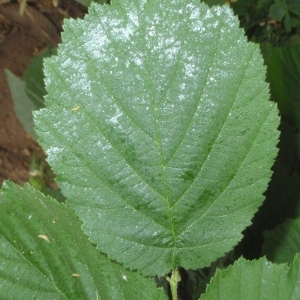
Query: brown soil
x=22, y=37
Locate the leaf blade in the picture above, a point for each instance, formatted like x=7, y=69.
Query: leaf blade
x=281, y=244
x=23, y=107
x=258, y=279
x=44, y=254
x=147, y=161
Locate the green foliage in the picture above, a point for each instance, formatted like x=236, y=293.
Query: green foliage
x=22, y=105
x=288, y=11
x=158, y=127
x=28, y=94
x=259, y=279
x=88, y=2
x=146, y=152
x=40, y=176
x=283, y=242
x=274, y=21
x=34, y=79
x=284, y=77
x=282, y=197
x=45, y=255
x=214, y=2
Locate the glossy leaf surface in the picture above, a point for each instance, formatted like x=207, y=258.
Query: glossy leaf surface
x=159, y=129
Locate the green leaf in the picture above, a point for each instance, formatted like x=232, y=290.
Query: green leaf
x=159, y=129
x=88, y=2
x=283, y=73
x=282, y=196
x=214, y=2
x=34, y=79
x=282, y=243
x=22, y=105
x=294, y=7
x=278, y=10
x=45, y=255
x=260, y=279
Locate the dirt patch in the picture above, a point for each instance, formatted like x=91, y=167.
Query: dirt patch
x=22, y=37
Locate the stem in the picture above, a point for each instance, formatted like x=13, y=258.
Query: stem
x=175, y=278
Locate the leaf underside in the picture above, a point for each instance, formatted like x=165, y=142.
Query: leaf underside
x=158, y=126
x=45, y=255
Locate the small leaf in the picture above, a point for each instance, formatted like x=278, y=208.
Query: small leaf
x=166, y=159
x=22, y=104
x=278, y=10
x=284, y=77
x=34, y=79
x=45, y=255
x=282, y=243
x=260, y=279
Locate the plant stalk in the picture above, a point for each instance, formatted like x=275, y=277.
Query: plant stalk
x=175, y=278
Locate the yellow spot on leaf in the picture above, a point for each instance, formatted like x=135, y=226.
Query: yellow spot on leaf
x=44, y=237
x=75, y=108
x=75, y=275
